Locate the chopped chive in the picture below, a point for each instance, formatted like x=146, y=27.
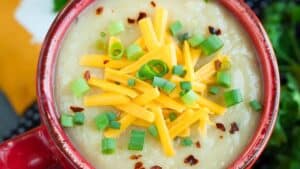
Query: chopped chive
x=175, y=27
x=66, y=120
x=185, y=85
x=224, y=79
x=211, y=45
x=187, y=141
x=102, y=121
x=214, y=90
x=158, y=82
x=116, y=50
x=255, y=105
x=115, y=125
x=116, y=28
x=137, y=140
x=189, y=97
x=112, y=116
x=153, y=130
x=79, y=118
x=131, y=82
x=182, y=37
x=233, y=97
x=79, y=87
x=178, y=70
x=108, y=145
x=172, y=116
x=196, y=40
x=169, y=87
x=153, y=68
x=134, y=52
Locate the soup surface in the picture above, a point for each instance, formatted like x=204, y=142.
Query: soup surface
x=219, y=148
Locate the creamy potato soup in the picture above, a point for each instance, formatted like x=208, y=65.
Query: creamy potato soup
x=158, y=84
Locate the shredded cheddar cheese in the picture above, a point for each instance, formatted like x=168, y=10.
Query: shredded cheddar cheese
x=143, y=104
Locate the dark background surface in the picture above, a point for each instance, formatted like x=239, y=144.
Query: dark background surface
x=281, y=19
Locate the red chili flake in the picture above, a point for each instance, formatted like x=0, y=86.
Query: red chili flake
x=130, y=20
x=138, y=165
x=214, y=31
x=153, y=4
x=221, y=126
x=76, y=109
x=141, y=16
x=156, y=167
x=99, y=10
x=135, y=157
x=87, y=75
x=191, y=160
x=105, y=62
x=234, y=128
x=198, y=145
x=218, y=64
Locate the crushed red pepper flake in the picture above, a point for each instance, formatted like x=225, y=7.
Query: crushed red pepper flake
x=105, y=62
x=138, y=165
x=76, y=109
x=87, y=75
x=198, y=145
x=191, y=160
x=214, y=31
x=221, y=126
x=130, y=20
x=99, y=10
x=234, y=128
x=156, y=167
x=218, y=64
x=135, y=157
x=141, y=16
x=153, y=4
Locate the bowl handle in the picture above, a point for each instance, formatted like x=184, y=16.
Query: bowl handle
x=31, y=150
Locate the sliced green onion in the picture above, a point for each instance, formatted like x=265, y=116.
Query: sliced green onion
x=182, y=37
x=185, y=85
x=211, y=45
x=175, y=27
x=178, y=70
x=189, y=97
x=153, y=68
x=214, y=90
x=137, y=140
x=134, y=52
x=196, y=40
x=102, y=121
x=79, y=118
x=108, y=145
x=158, y=82
x=186, y=141
x=169, y=87
x=66, y=120
x=79, y=87
x=131, y=82
x=172, y=116
x=103, y=34
x=116, y=50
x=115, y=125
x=233, y=97
x=224, y=79
x=153, y=130
x=255, y=105
x=116, y=28
x=112, y=116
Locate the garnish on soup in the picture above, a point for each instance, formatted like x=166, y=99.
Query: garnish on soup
x=155, y=85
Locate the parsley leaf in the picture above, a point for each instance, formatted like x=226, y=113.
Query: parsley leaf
x=59, y=5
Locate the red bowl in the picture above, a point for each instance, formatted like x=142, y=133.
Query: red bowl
x=49, y=144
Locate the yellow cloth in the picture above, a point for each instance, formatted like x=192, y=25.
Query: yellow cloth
x=18, y=59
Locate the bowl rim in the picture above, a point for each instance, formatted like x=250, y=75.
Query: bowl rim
x=240, y=10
